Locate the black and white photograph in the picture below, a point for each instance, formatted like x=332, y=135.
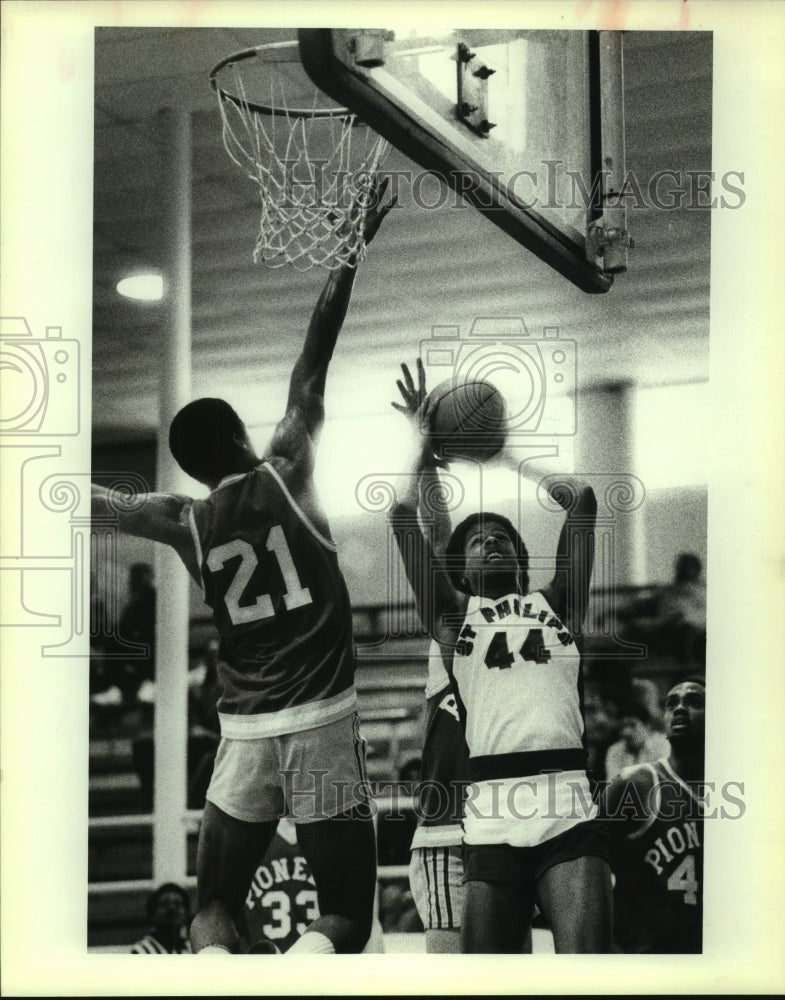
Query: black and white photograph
x=391, y=450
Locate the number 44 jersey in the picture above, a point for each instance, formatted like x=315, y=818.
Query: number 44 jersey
x=517, y=674
x=280, y=605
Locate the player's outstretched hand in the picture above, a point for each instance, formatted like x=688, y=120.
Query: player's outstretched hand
x=413, y=396
x=367, y=200
x=415, y=408
x=377, y=207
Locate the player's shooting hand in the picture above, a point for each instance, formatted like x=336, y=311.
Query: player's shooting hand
x=415, y=408
x=413, y=396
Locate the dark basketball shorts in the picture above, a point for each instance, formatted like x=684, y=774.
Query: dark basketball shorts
x=524, y=866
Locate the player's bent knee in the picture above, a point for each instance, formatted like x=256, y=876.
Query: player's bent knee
x=357, y=935
x=213, y=927
x=350, y=917
x=348, y=936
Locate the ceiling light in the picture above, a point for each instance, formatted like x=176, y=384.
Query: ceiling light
x=149, y=287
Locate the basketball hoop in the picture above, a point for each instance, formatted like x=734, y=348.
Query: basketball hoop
x=313, y=161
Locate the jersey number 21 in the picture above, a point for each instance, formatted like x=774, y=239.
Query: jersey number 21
x=295, y=595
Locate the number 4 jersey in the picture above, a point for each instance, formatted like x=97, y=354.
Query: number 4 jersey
x=280, y=605
x=517, y=675
x=658, y=896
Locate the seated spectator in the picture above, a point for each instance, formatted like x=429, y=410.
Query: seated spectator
x=640, y=743
x=203, y=727
x=397, y=909
x=169, y=913
x=203, y=734
x=643, y=691
x=682, y=611
x=137, y=625
x=601, y=729
x=673, y=622
x=204, y=692
x=100, y=680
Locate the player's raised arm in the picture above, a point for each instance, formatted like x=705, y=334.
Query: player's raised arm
x=420, y=525
x=305, y=405
x=434, y=519
x=568, y=591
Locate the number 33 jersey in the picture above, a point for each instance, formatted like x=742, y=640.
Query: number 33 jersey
x=517, y=674
x=282, y=899
x=280, y=605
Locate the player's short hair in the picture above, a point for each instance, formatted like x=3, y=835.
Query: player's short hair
x=152, y=899
x=689, y=679
x=201, y=437
x=455, y=554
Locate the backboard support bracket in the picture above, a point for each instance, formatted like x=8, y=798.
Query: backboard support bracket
x=472, y=105
x=607, y=237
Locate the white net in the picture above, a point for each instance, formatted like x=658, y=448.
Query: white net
x=314, y=169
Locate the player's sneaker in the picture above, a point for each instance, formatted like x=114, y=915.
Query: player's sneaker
x=263, y=947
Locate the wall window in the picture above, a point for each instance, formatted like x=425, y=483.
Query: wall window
x=672, y=434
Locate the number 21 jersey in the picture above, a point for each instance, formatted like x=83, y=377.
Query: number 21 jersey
x=280, y=605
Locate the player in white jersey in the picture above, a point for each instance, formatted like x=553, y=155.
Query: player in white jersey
x=437, y=855
x=260, y=546
x=514, y=657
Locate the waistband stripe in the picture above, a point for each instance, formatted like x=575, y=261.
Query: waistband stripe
x=526, y=764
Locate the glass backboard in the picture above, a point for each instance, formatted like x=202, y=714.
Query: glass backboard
x=526, y=125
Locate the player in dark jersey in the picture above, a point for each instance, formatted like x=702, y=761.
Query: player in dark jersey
x=260, y=547
x=282, y=901
x=654, y=813
x=514, y=659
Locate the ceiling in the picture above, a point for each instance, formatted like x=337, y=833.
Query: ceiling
x=442, y=267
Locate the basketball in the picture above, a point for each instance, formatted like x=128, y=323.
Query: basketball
x=468, y=420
